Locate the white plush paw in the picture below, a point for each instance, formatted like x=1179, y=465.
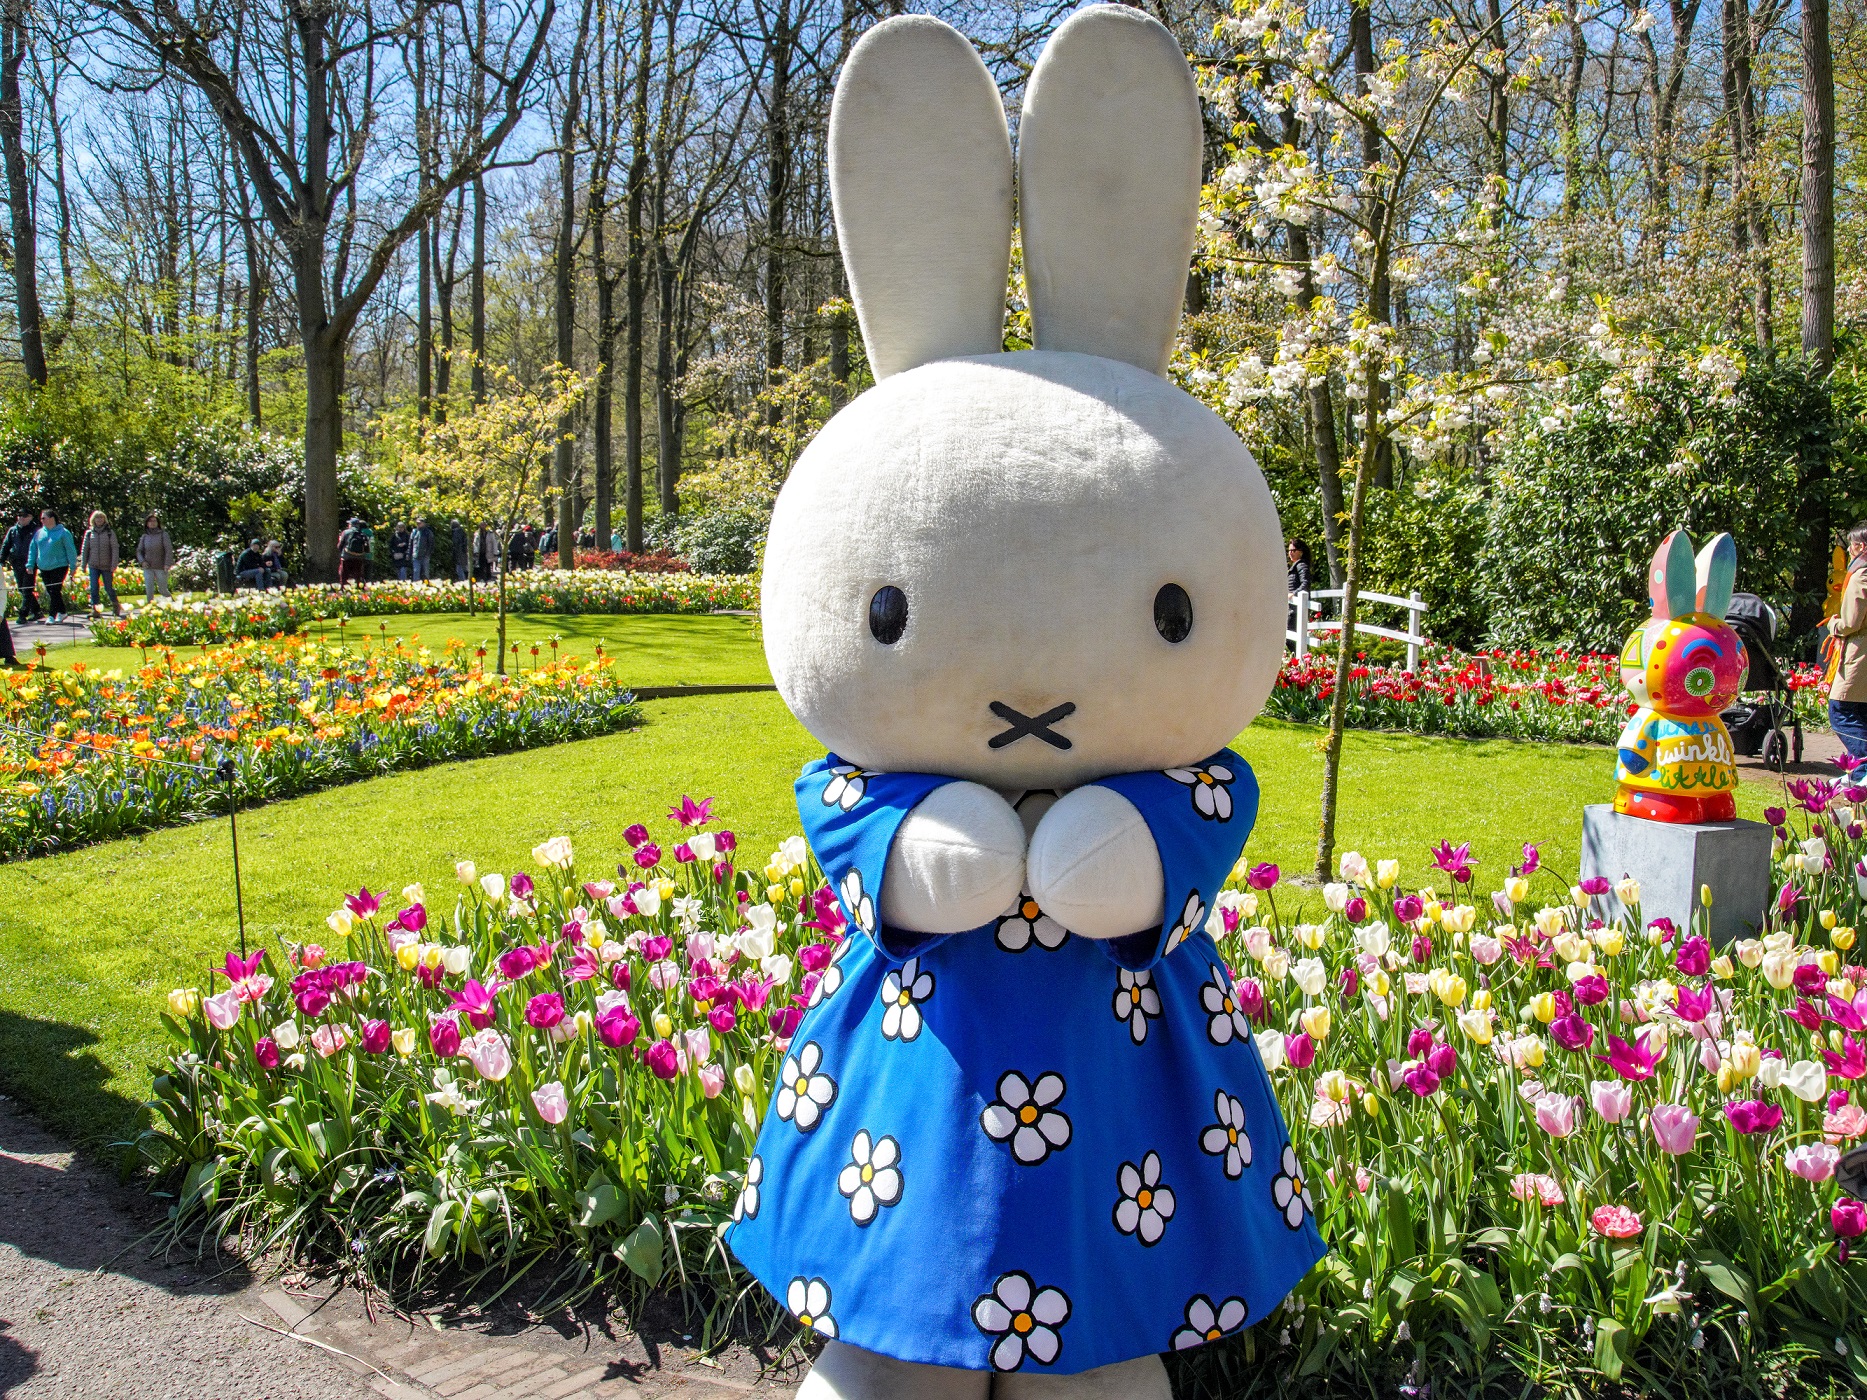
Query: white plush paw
x=1094, y=868
x=957, y=861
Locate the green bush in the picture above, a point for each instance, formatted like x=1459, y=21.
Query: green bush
x=723, y=542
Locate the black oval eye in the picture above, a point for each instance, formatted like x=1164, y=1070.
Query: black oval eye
x=1173, y=613
x=888, y=615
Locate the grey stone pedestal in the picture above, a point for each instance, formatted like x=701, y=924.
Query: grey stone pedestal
x=1671, y=861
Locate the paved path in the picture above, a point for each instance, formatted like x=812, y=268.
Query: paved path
x=87, y=1314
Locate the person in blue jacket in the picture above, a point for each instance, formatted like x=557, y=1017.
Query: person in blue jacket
x=54, y=554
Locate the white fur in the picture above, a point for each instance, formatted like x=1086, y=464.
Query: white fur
x=1094, y=868
x=1109, y=152
x=844, y=1372
x=920, y=175
x=957, y=861
x=1144, y=1378
x=1030, y=505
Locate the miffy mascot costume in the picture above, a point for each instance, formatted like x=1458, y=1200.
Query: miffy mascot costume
x=1022, y=1141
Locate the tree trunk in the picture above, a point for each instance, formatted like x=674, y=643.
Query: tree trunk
x=667, y=410
x=1361, y=40
x=777, y=192
x=564, y=448
x=476, y=295
x=603, y=409
x=324, y=440
x=1321, y=407
x=424, y=257
x=1818, y=189
x=19, y=192
x=635, y=291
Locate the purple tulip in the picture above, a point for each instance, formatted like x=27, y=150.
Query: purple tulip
x=647, y=855
x=1356, y=910
x=1250, y=996
x=1636, y=1062
x=784, y=1021
x=725, y=841
x=1419, y=1041
x=478, y=1002
x=814, y=957
x=1408, y=908
x=375, y=1037
x=1848, y=1218
x=722, y=1018
x=1262, y=876
x=1532, y=859
x=636, y=836
x=1754, y=1115
x=1442, y=1060
x=1810, y=979
x=684, y=854
x=518, y=962
x=620, y=976
x=1691, y=1005
x=444, y=1036
x=1596, y=885
x=1349, y=981
x=1694, y=956
x=617, y=1028
x=657, y=949
x=1421, y=1080
x=266, y=1051
x=1300, y=1050
x=1571, y=1032
x=1422, y=948
x=363, y=904
x=1851, y=1063
x=663, y=1061
x=544, y=1011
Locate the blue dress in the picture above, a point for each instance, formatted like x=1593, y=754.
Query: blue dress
x=1016, y=1148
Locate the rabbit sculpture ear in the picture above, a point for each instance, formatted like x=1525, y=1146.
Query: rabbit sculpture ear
x=1716, y=575
x=1109, y=151
x=920, y=180
x=1673, y=583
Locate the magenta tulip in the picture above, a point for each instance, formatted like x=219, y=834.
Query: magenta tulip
x=375, y=1037
x=544, y=1011
x=444, y=1036
x=1754, y=1115
x=662, y=1060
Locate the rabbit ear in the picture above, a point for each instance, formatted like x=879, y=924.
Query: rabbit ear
x=1716, y=574
x=1109, y=151
x=1672, y=584
x=920, y=179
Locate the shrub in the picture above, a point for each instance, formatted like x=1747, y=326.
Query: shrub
x=724, y=542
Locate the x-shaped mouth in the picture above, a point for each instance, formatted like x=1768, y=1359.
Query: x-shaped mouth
x=1037, y=726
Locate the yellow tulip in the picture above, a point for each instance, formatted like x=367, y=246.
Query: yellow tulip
x=663, y=1026
x=1333, y=1084
x=1527, y=1051
x=1842, y=938
x=1728, y=1077
x=1543, y=1004
x=403, y=1038
x=408, y=956
x=1516, y=889
x=1386, y=873
x=1449, y=987
x=1611, y=942
x=665, y=888
x=1744, y=1058
x=796, y=887
x=1310, y=935
x=1380, y=984
x=1722, y=968
x=182, y=1002
x=1827, y=918
x=341, y=921
x=1476, y=1024
x=1315, y=1020
x=1704, y=895
x=1481, y=999
x=775, y=895
x=1828, y=961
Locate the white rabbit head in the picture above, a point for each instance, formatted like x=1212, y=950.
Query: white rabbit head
x=1037, y=568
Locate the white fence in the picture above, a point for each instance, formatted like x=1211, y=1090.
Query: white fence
x=1307, y=626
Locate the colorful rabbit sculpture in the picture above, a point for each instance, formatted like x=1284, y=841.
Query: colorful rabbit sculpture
x=1683, y=666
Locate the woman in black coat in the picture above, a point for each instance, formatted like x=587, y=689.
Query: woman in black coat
x=1298, y=554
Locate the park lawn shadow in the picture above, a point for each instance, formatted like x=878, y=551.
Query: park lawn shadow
x=50, y=1070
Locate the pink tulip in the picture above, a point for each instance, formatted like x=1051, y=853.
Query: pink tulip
x=664, y=976
x=1613, y=1100
x=1535, y=1186
x=222, y=1010
x=1591, y=990
x=1813, y=1162
x=584, y=965
x=551, y=1103
x=1616, y=1222
x=478, y=1002
x=662, y=1059
x=544, y=1011
x=1571, y=1032
x=266, y=1051
x=1486, y=949
x=1851, y=1063
x=1632, y=1061
x=697, y=1043
x=444, y=1036
x=1555, y=1114
x=1849, y=1218
x=636, y=836
x=1693, y=957
x=616, y=1027
x=1691, y=1005
x=1675, y=1128
x=518, y=962
x=375, y=1037
x=712, y=1080
x=327, y=1040
x=1845, y=1122
x=489, y=1054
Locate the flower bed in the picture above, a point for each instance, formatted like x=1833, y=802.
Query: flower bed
x=1545, y=1147
x=1497, y=694
x=528, y=591
x=86, y=755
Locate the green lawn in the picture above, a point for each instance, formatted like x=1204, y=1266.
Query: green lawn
x=92, y=940
x=650, y=650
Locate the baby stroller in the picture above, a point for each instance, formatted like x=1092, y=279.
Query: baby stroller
x=1762, y=725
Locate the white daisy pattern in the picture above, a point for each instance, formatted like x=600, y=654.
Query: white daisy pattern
x=1225, y=1018
x=1137, y=1001
x=809, y=1302
x=847, y=785
x=903, y=991
x=1192, y=916
x=872, y=1178
x=1025, y=924
x=804, y=1091
x=830, y=982
x=746, y=1207
x=1145, y=1206
x=1024, y=1114
x=1024, y=1318
x=856, y=902
x=1207, y=1321
x=1227, y=1138
x=1289, y=1193
x=1211, y=785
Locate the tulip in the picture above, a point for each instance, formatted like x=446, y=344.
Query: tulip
x=1271, y=1049
x=266, y=1051
x=1535, y=1186
x=489, y=1054
x=1634, y=1061
x=403, y=1039
x=182, y=1002
x=1421, y=1080
x=1612, y=1099
x=328, y=1039
x=1807, y=1080
x=518, y=962
x=1555, y=1114
x=222, y=1010
x=550, y=1101
x=465, y=872
x=1476, y=1023
x=1754, y=1115
x=1355, y=910
x=662, y=1060
x=494, y=885
x=1675, y=1128
x=636, y=836
x=1848, y=1218
x=478, y=1002
x=375, y=1037
x=1262, y=877
x=1691, y=1005
x=1486, y=950
x=1851, y=1063
x=1571, y=1032
x=1694, y=956
x=1300, y=1050
x=784, y=1021
x=522, y=886
x=616, y=1027
x=444, y=1037
x=1310, y=976
x=647, y=855
x=544, y=1010
x=1615, y=1222
x=712, y=1080
x=1814, y=1162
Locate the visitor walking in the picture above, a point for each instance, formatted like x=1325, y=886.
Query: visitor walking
x=421, y=552
x=54, y=554
x=1847, y=691
x=155, y=552
x=16, y=554
x=400, y=545
x=463, y=554
x=7, y=656
x=1297, y=552
x=485, y=552
x=99, y=554
x=353, y=553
